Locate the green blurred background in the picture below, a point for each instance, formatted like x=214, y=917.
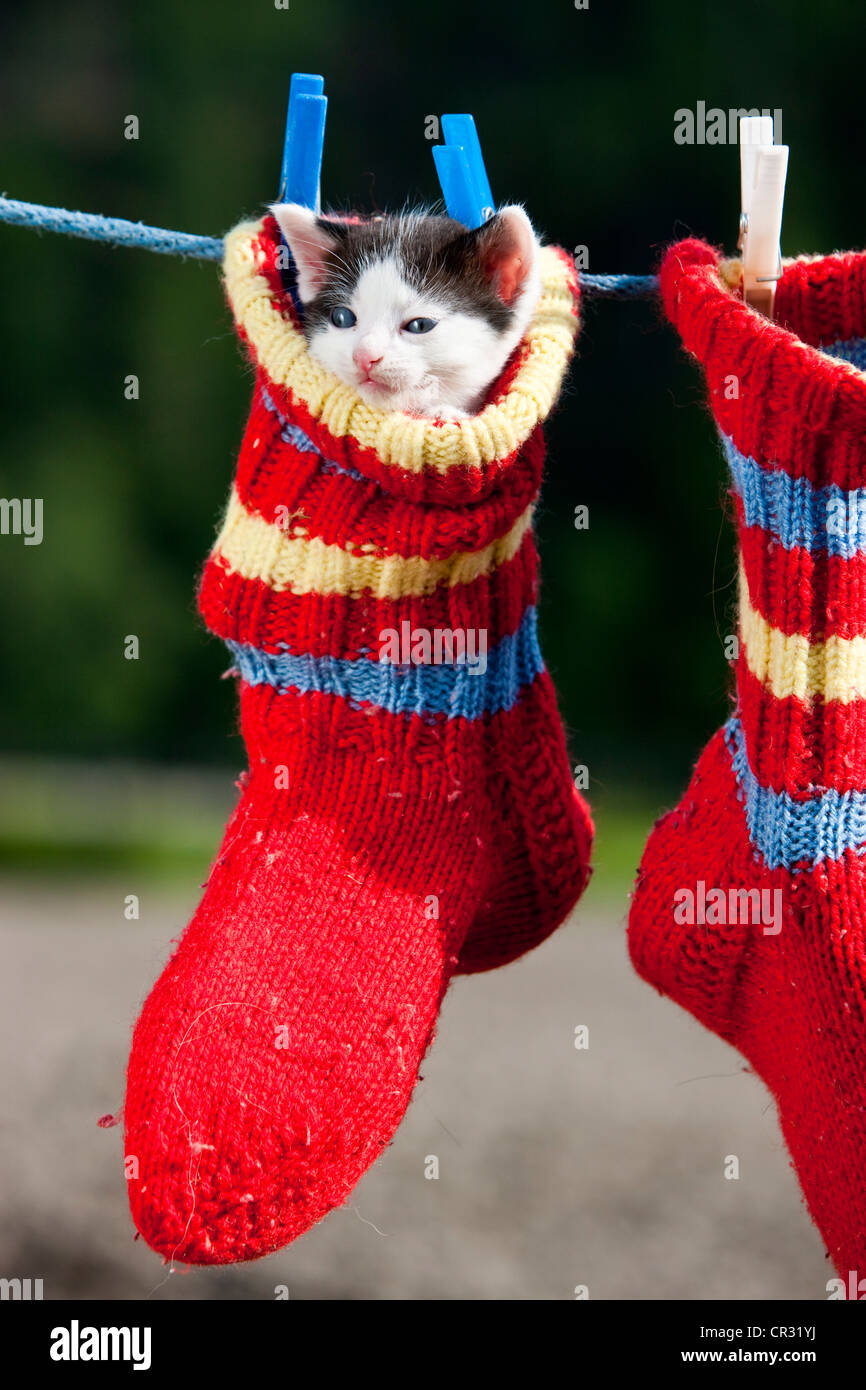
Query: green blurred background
x=576, y=114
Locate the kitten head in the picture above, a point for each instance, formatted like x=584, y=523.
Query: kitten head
x=415, y=311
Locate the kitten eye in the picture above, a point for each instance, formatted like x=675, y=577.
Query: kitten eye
x=419, y=325
x=342, y=317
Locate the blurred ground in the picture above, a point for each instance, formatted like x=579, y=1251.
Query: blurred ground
x=558, y=1167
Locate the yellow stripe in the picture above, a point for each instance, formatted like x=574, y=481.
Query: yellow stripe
x=792, y=665
x=258, y=549
x=395, y=438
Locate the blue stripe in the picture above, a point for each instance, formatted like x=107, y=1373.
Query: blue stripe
x=851, y=350
x=293, y=434
x=797, y=512
x=795, y=834
x=454, y=690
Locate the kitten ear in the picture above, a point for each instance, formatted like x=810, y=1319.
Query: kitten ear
x=309, y=239
x=508, y=248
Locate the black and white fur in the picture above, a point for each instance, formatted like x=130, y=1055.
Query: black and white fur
x=416, y=312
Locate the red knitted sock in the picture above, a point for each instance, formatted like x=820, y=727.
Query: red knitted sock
x=749, y=905
x=402, y=818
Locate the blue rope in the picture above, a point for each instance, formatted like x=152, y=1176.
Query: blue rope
x=619, y=286
x=116, y=231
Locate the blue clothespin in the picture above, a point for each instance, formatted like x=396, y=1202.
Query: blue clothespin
x=301, y=172
x=460, y=130
x=305, y=138
x=462, y=175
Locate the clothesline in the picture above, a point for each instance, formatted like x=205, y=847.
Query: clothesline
x=116, y=231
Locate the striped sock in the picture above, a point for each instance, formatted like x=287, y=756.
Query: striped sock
x=749, y=905
x=409, y=810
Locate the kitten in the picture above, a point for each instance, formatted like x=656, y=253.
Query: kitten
x=416, y=312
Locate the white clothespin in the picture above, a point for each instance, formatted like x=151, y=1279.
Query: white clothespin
x=763, y=171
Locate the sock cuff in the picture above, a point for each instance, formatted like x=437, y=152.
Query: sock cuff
x=452, y=461
x=822, y=299
x=788, y=392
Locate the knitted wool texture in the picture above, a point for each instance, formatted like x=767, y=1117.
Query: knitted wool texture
x=402, y=819
x=777, y=802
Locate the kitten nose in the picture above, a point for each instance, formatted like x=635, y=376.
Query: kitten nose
x=366, y=357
